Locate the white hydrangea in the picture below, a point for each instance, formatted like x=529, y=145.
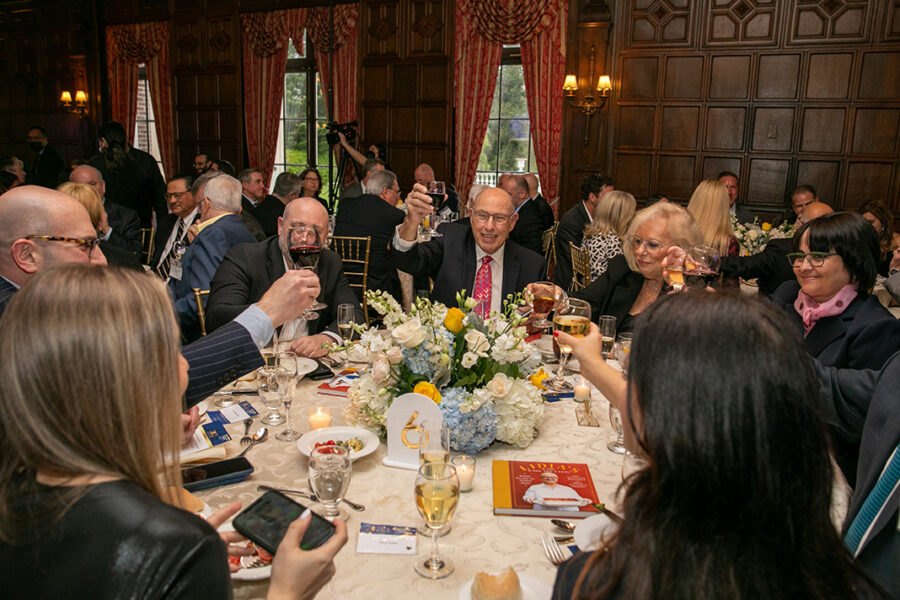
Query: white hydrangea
x=519, y=413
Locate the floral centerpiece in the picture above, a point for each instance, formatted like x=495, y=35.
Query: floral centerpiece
x=476, y=370
x=754, y=236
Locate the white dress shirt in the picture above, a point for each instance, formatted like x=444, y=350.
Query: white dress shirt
x=171, y=241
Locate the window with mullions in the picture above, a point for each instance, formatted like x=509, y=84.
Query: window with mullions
x=301, y=133
x=145, y=123
x=507, y=144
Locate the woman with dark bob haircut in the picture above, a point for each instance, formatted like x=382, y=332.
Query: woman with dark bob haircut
x=734, y=495
x=311, y=186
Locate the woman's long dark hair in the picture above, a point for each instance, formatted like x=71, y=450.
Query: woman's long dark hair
x=734, y=501
x=116, y=151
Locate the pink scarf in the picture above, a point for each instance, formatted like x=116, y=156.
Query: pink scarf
x=811, y=311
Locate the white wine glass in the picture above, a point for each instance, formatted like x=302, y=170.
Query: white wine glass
x=329, y=478
x=434, y=446
x=287, y=388
x=267, y=388
x=346, y=318
x=675, y=268
x=573, y=317
x=607, y=325
x=437, y=495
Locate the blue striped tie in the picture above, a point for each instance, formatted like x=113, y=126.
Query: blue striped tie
x=874, y=503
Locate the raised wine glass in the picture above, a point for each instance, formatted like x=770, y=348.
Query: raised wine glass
x=287, y=387
x=437, y=494
x=544, y=297
x=607, y=325
x=701, y=266
x=267, y=388
x=674, y=268
x=437, y=190
x=573, y=317
x=305, y=247
x=329, y=478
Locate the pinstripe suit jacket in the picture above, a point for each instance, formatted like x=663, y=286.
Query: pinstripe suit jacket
x=7, y=290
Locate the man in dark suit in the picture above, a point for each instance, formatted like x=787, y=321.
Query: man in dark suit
x=865, y=408
x=172, y=229
x=219, y=230
x=258, y=204
x=123, y=225
x=370, y=166
x=730, y=180
x=375, y=214
x=47, y=167
x=547, y=218
x=479, y=259
x=572, y=224
x=248, y=271
x=529, y=227
x=771, y=266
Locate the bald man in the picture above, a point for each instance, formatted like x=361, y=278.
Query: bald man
x=771, y=266
x=248, y=270
x=42, y=228
x=424, y=174
x=122, y=227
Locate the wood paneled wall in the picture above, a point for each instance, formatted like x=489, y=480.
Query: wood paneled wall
x=406, y=87
x=782, y=93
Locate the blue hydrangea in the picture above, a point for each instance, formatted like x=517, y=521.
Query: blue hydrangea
x=471, y=432
x=417, y=359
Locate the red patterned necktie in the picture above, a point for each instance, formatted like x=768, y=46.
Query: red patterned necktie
x=482, y=291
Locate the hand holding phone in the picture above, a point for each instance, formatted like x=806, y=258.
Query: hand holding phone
x=301, y=574
x=266, y=521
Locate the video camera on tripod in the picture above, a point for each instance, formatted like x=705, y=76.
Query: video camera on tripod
x=333, y=128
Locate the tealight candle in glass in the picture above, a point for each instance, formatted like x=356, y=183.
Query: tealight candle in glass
x=465, y=470
x=319, y=417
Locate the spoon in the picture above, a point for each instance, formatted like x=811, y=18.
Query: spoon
x=258, y=438
x=564, y=525
x=308, y=496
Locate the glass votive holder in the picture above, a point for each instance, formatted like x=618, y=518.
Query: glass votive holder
x=319, y=417
x=465, y=470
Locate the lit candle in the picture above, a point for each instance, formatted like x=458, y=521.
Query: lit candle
x=319, y=417
x=582, y=392
x=465, y=470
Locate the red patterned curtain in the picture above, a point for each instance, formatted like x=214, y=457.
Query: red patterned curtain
x=127, y=46
x=343, y=52
x=483, y=26
x=265, y=50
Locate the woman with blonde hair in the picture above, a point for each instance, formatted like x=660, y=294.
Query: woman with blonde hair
x=90, y=199
x=89, y=425
x=709, y=207
x=603, y=237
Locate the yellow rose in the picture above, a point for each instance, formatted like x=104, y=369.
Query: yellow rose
x=538, y=379
x=766, y=226
x=454, y=320
x=427, y=389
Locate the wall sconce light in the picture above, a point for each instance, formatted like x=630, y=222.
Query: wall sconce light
x=79, y=107
x=589, y=105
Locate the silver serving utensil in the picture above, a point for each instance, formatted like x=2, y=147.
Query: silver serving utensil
x=308, y=496
x=564, y=525
x=258, y=438
x=247, y=439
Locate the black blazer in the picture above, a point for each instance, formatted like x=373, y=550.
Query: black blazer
x=521, y=266
x=571, y=229
x=770, y=266
x=137, y=184
x=126, y=227
x=529, y=228
x=266, y=212
x=369, y=215
x=614, y=292
x=248, y=216
x=547, y=217
x=247, y=272
x=46, y=169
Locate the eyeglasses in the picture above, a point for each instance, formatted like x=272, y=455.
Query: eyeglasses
x=398, y=192
x=815, y=259
x=802, y=204
x=178, y=195
x=86, y=245
x=311, y=178
x=482, y=217
x=651, y=245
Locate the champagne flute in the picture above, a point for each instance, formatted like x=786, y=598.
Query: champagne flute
x=437, y=494
x=607, y=325
x=267, y=388
x=305, y=248
x=436, y=189
x=287, y=387
x=346, y=318
x=329, y=478
x=617, y=446
x=701, y=266
x=573, y=317
x=544, y=296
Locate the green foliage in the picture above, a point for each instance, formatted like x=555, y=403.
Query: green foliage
x=501, y=152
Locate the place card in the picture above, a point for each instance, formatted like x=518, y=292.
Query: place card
x=206, y=436
x=232, y=414
x=404, y=414
x=386, y=539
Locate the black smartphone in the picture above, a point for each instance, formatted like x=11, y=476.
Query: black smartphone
x=321, y=372
x=266, y=521
x=222, y=472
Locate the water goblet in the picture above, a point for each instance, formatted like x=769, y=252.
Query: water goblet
x=437, y=495
x=617, y=446
x=267, y=387
x=573, y=317
x=329, y=478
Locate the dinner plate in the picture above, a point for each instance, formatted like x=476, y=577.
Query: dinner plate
x=306, y=366
x=532, y=589
x=590, y=532
x=309, y=440
x=247, y=574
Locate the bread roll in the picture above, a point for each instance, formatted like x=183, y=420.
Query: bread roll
x=504, y=586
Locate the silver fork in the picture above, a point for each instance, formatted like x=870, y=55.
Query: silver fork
x=552, y=550
x=247, y=439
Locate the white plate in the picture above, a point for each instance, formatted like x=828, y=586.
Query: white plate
x=589, y=532
x=243, y=574
x=532, y=589
x=308, y=440
x=306, y=366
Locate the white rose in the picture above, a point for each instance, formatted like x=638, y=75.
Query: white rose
x=381, y=370
x=477, y=342
x=499, y=385
x=358, y=353
x=409, y=334
x=394, y=355
x=468, y=360
x=753, y=234
x=471, y=303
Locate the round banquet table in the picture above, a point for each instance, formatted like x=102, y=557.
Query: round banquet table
x=479, y=541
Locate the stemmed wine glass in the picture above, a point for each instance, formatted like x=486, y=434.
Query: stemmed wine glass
x=573, y=317
x=544, y=296
x=287, y=387
x=434, y=446
x=623, y=354
x=346, y=318
x=305, y=248
x=607, y=325
x=436, y=189
x=701, y=266
x=329, y=478
x=674, y=268
x=267, y=388
x=437, y=494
